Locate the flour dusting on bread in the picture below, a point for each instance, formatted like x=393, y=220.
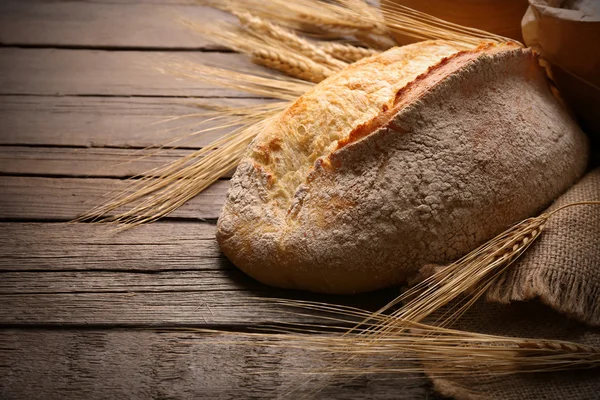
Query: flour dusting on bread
x=412, y=157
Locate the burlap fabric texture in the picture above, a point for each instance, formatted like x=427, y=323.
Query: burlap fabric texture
x=560, y=270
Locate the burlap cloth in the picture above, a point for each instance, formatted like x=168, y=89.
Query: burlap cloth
x=561, y=270
x=563, y=267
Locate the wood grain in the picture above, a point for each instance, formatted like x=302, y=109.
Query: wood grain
x=109, y=73
x=162, y=246
x=156, y=274
x=191, y=308
x=98, y=24
x=107, y=121
x=36, y=282
x=86, y=162
x=64, y=199
x=130, y=364
x=225, y=298
x=92, y=162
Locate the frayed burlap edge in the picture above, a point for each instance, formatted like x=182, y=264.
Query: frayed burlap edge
x=562, y=268
x=568, y=293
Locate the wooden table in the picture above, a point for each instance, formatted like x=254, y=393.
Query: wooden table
x=84, y=309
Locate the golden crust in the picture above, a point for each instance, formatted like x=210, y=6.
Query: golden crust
x=312, y=126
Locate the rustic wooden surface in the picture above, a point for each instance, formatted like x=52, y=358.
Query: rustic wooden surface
x=86, y=311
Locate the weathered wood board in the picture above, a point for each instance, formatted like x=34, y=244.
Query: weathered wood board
x=141, y=364
x=75, y=121
x=168, y=273
x=61, y=247
x=111, y=73
x=89, y=24
x=83, y=162
x=64, y=199
x=82, y=89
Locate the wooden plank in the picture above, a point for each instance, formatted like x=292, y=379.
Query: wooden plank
x=192, y=308
x=114, y=73
x=243, y=303
x=161, y=246
x=95, y=24
x=86, y=162
x=92, y=162
x=32, y=198
x=36, y=282
x=158, y=274
x=119, y=364
x=106, y=121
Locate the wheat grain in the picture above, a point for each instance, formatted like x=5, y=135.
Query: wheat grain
x=276, y=53
x=347, y=52
x=291, y=65
x=546, y=345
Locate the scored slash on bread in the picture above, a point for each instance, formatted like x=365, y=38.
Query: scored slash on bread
x=412, y=157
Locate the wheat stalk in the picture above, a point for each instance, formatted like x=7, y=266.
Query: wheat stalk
x=439, y=351
x=160, y=191
x=421, y=26
x=444, y=350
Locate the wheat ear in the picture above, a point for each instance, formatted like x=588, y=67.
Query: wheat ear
x=325, y=20
x=267, y=51
x=347, y=52
x=472, y=273
x=290, y=40
x=292, y=66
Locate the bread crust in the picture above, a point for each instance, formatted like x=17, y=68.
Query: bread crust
x=473, y=145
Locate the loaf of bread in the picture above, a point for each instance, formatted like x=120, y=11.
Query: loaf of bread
x=415, y=156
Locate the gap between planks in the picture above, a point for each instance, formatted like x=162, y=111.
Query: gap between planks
x=243, y=303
